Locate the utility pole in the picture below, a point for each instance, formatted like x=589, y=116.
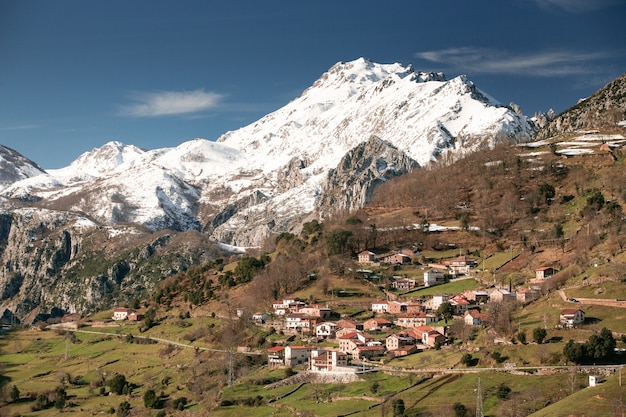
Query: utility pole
x=479, y=401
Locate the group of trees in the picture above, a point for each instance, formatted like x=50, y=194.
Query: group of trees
x=598, y=347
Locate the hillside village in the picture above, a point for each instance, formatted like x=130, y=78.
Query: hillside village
x=400, y=325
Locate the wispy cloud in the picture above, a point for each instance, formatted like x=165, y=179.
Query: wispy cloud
x=167, y=103
x=18, y=127
x=490, y=61
x=577, y=6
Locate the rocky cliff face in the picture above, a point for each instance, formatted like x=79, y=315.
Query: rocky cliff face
x=62, y=261
x=352, y=182
x=603, y=109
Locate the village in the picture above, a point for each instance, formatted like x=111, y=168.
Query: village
x=398, y=326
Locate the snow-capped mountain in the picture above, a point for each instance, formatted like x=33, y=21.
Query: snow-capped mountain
x=301, y=161
x=15, y=167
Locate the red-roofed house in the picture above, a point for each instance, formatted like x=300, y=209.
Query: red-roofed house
x=571, y=317
x=377, y=324
x=474, y=317
x=545, y=272
x=276, y=356
x=366, y=257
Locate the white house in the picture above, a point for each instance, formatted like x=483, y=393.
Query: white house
x=326, y=330
x=380, y=306
x=571, y=317
x=121, y=313
x=296, y=355
x=434, y=277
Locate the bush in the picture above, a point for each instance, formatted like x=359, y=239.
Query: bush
x=466, y=359
x=124, y=409
x=539, y=334
x=150, y=399
x=503, y=391
x=117, y=384
x=180, y=403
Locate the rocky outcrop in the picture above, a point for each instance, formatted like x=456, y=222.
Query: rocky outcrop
x=603, y=109
x=350, y=185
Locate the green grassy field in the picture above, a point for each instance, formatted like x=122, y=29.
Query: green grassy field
x=39, y=362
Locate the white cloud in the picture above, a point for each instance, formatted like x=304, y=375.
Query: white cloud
x=490, y=61
x=166, y=103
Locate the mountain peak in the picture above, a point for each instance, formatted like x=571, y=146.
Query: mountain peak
x=15, y=167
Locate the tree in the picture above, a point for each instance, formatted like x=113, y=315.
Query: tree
x=539, y=334
x=574, y=352
x=117, y=384
x=398, y=407
x=61, y=396
x=521, y=336
x=150, y=399
x=459, y=410
x=467, y=359
x=600, y=346
x=15, y=394
x=337, y=241
x=445, y=311
x=124, y=409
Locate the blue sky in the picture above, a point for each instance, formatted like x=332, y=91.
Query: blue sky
x=75, y=74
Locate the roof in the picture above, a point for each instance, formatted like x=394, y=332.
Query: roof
x=276, y=349
x=544, y=268
x=570, y=311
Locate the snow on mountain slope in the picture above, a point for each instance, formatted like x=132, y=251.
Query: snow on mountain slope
x=266, y=177
x=15, y=167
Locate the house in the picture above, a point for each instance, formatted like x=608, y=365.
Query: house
x=366, y=258
x=403, y=284
x=460, y=304
x=428, y=336
x=121, y=313
x=135, y=316
x=477, y=296
x=474, y=317
x=571, y=317
x=350, y=341
x=415, y=319
x=276, y=356
x=349, y=324
x=527, y=295
x=500, y=295
x=380, y=306
x=259, y=317
x=396, y=259
x=397, y=307
x=300, y=321
x=439, y=299
x=323, y=361
x=287, y=306
x=296, y=355
x=434, y=277
x=316, y=310
x=545, y=272
x=368, y=351
x=377, y=324
x=326, y=330
x=460, y=265
x=399, y=340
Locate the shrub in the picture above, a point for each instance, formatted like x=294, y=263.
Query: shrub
x=117, y=384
